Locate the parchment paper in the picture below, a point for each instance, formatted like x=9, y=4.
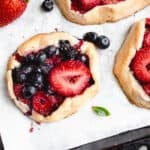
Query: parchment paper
x=84, y=126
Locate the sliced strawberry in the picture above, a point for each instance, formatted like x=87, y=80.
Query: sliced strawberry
x=18, y=93
x=89, y=4
x=146, y=41
x=44, y=104
x=69, y=78
x=11, y=10
x=140, y=65
x=147, y=89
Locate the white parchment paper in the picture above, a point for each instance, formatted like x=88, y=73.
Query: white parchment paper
x=84, y=126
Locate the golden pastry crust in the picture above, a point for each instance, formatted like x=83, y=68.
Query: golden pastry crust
x=130, y=85
x=102, y=14
x=70, y=105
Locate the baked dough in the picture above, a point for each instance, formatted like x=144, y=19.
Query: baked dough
x=130, y=85
x=102, y=14
x=70, y=105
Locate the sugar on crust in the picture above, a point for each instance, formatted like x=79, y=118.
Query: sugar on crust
x=122, y=71
x=102, y=14
x=70, y=105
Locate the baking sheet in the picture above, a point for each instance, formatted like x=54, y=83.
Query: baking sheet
x=84, y=126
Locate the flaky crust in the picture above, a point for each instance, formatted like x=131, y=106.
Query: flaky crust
x=130, y=85
x=70, y=105
x=102, y=14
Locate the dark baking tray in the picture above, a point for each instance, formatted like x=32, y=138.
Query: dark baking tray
x=130, y=140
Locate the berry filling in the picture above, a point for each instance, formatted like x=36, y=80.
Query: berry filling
x=85, y=5
x=45, y=78
x=140, y=64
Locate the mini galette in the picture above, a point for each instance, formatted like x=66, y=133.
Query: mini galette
x=99, y=11
x=51, y=76
x=132, y=66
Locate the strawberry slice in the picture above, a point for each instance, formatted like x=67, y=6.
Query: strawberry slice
x=146, y=41
x=43, y=104
x=69, y=78
x=140, y=65
x=147, y=89
x=88, y=4
x=11, y=10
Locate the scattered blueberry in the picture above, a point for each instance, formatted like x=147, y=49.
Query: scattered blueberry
x=47, y=5
x=102, y=42
x=28, y=91
x=90, y=36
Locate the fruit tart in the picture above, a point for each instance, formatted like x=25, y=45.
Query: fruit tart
x=50, y=76
x=132, y=66
x=99, y=11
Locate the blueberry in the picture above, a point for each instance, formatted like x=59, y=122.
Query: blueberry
x=45, y=68
x=102, y=42
x=47, y=5
x=38, y=69
x=21, y=77
x=18, y=76
x=37, y=80
x=27, y=69
x=52, y=50
x=29, y=91
x=41, y=57
x=90, y=36
x=83, y=58
x=29, y=59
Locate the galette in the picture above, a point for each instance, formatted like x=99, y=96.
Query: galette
x=99, y=11
x=51, y=75
x=132, y=66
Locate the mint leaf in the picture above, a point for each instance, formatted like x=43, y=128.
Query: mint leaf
x=101, y=111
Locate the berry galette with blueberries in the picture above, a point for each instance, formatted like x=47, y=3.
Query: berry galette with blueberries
x=51, y=76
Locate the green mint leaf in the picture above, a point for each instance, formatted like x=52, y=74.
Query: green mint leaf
x=101, y=111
